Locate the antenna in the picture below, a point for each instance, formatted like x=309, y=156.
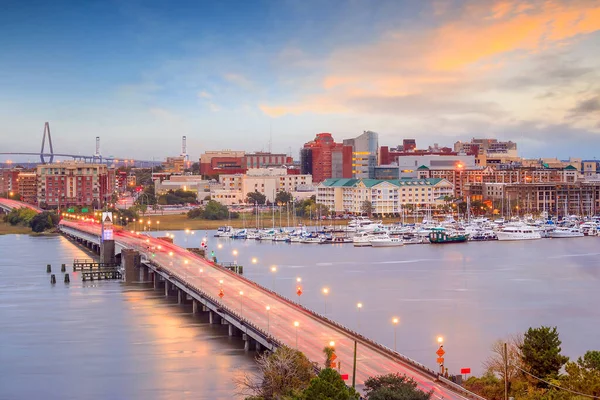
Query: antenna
x=184, y=148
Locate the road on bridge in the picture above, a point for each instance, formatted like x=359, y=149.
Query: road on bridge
x=310, y=336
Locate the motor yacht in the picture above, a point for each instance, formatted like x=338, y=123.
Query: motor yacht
x=518, y=232
x=560, y=233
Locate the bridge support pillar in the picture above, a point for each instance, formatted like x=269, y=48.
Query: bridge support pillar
x=107, y=252
x=257, y=347
x=194, y=306
x=231, y=330
x=204, y=308
x=132, y=264
x=156, y=280
x=213, y=318
x=167, y=284
x=180, y=296
x=247, y=342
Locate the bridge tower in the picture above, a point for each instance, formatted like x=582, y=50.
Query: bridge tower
x=46, y=133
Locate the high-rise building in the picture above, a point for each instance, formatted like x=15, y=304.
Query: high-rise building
x=74, y=184
x=27, y=187
x=324, y=158
x=365, y=149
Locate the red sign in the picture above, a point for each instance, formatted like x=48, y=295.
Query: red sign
x=221, y=293
x=440, y=352
x=465, y=371
x=440, y=360
x=299, y=291
x=345, y=377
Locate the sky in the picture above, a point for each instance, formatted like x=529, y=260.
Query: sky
x=254, y=75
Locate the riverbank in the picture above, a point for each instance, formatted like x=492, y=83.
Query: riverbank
x=8, y=229
x=180, y=222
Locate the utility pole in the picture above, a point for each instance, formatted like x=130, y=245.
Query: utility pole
x=354, y=367
x=505, y=372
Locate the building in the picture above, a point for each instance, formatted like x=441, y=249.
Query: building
x=323, y=158
x=266, y=160
x=175, y=165
x=27, y=187
x=389, y=156
x=214, y=163
x=581, y=198
x=268, y=181
x=74, y=184
x=387, y=197
x=9, y=181
x=190, y=183
x=409, y=145
x=365, y=151
x=489, y=151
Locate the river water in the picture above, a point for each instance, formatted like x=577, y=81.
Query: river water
x=105, y=340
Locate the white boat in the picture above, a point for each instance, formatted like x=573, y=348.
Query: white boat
x=518, y=232
x=386, y=241
x=311, y=240
x=362, y=239
x=566, y=233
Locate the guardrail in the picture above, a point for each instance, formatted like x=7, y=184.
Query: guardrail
x=459, y=388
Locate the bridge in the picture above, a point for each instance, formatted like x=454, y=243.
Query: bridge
x=243, y=307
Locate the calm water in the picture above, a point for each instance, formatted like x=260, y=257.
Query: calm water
x=471, y=293
x=102, y=340
x=108, y=340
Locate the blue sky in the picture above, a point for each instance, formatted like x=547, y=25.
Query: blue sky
x=140, y=74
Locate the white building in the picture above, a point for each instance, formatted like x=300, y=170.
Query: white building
x=365, y=149
x=268, y=181
x=386, y=196
x=191, y=183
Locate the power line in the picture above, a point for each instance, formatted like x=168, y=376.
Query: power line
x=557, y=387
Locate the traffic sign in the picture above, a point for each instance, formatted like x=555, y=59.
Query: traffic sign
x=465, y=371
x=299, y=291
x=440, y=360
x=333, y=357
x=221, y=293
x=345, y=377
x=333, y=365
x=440, y=352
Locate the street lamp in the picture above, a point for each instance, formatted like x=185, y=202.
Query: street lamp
x=325, y=292
x=235, y=253
x=395, y=321
x=268, y=308
x=296, y=324
x=254, y=260
x=157, y=225
x=358, y=307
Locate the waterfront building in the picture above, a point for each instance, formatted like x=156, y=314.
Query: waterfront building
x=387, y=197
x=213, y=163
x=365, y=151
x=74, y=184
x=234, y=188
x=323, y=158
x=27, y=186
x=189, y=183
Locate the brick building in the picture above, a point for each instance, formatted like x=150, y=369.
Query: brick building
x=323, y=158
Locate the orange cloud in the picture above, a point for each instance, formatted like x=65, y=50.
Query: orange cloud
x=446, y=60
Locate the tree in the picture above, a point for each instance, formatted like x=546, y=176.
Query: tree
x=394, y=387
x=215, y=210
x=195, y=213
x=283, y=197
x=496, y=362
x=286, y=372
x=487, y=386
x=584, y=375
x=328, y=351
x=328, y=385
x=541, y=353
x=43, y=221
x=256, y=198
x=366, y=208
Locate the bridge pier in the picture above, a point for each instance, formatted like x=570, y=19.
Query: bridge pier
x=132, y=265
x=167, y=283
x=181, y=295
x=107, y=251
x=194, y=306
x=248, y=342
x=213, y=318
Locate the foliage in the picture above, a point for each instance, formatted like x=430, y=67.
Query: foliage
x=256, y=198
x=541, y=353
x=43, y=221
x=283, y=197
x=394, y=387
x=284, y=373
x=147, y=196
x=20, y=216
x=7, y=195
x=496, y=362
x=212, y=211
x=488, y=386
x=366, y=208
x=328, y=385
x=130, y=213
x=178, y=196
x=584, y=375
x=328, y=351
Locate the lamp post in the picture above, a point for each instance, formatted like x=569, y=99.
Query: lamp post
x=235, y=253
x=395, y=321
x=268, y=308
x=440, y=353
x=325, y=293
x=358, y=307
x=157, y=225
x=296, y=324
x=299, y=288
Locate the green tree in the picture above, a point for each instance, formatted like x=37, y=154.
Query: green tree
x=283, y=197
x=488, y=386
x=366, y=207
x=584, y=375
x=328, y=385
x=43, y=221
x=256, y=198
x=195, y=213
x=284, y=373
x=394, y=387
x=215, y=211
x=541, y=353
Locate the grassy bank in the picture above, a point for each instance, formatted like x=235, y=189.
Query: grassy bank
x=181, y=222
x=8, y=229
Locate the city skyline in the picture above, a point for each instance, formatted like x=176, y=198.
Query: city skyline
x=234, y=75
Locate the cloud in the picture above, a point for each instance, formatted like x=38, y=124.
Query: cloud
x=448, y=66
x=239, y=80
x=204, y=95
x=587, y=107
